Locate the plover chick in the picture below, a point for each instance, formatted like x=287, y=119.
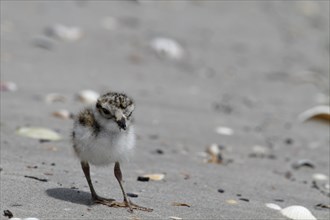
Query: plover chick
x=104, y=134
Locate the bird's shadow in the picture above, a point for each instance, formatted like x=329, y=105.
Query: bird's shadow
x=70, y=195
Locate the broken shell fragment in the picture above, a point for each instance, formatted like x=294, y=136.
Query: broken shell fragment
x=88, y=96
x=8, y=86
x=175, y=218
x=180, y=204
x=318, y=112
x=231, y=202
x=224, y=130
x=39, y=133
x=155, y=177
x=167, y=47
x=214, y=150
x=273, y=206
x=320, y=177
x=303, y=163
x=62, y=114
x=55, y=97
x=63, y=32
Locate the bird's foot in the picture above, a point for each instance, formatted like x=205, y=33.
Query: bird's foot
x=130, y=205
x=126, y=204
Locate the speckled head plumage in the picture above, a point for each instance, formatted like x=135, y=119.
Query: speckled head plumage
x=116, y=106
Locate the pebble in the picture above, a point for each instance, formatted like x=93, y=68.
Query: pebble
x=167, y=47
x=132, y=195
x=221, y=190
x=143, y=179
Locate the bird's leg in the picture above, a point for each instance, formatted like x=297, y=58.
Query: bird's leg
x=95, y=197
x=126, y=203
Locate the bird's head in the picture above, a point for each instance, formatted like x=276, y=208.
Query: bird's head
x=117, y=107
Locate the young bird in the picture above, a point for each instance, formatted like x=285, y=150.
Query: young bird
x=104, y=134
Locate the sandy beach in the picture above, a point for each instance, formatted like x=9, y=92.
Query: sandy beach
x=234, y=75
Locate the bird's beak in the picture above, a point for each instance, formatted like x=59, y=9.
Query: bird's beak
x=121, y=120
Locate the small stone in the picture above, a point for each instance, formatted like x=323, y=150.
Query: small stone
x=143, y=179
x=221, y=190
x=244, y=199
x=8, y=213
x=132, y=195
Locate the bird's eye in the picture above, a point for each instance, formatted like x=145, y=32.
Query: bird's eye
x=106, y=111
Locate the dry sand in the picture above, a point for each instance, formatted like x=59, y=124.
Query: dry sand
x=250, y=66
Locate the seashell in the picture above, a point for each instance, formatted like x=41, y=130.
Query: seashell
x=63, y=32
x=30, y=218
x=167, y=47
x=88, y=96
x=273, y=206
x=317, y=112
x=15, y=219
x=224, y=130
x=175, y=218
x=320, y=177
x=8, y=86
x=297, y=213
x=303, y=162
x=63, y=114
x=54, y=97
x=180, y=204
x=231, y=202
x=214, y=150
x=39, y=133
x=155, y=177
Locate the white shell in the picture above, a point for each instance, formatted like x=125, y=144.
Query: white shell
x=224, y=130
x=297, y=213
x=320, y=177
x=8, y=86
x=54, y=97
x=64, y=32
x=88, y=96
x=39, y=133
x=167, y=47
x=30, y=218
x=273, y=206
x=321, y=111
x=175, y=218
x=213, y=149
x=155, y=177
x=63, y=114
